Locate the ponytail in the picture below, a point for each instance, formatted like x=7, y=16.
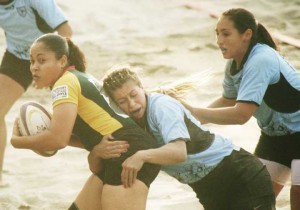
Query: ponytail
x=76, y=57
x=264, y=37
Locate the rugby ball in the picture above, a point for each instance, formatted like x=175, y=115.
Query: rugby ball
x=33, y=119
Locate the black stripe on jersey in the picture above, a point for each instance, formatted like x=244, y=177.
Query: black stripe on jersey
x=41, y=23
x=89, y=137
x=282, y=96
x=200, y=140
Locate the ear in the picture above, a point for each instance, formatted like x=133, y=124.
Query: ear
x=64, y=61
x=247, y=34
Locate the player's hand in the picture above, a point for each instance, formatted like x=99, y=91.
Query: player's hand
x=110, y=148
x=131, y=167
x=16, y=131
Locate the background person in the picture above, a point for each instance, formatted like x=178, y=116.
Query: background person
x=23, y=22
x=259, y=82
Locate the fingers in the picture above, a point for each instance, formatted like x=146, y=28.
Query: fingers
x=128, y=177
x=16, y=130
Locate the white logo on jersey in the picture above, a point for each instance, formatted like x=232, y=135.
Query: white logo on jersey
x=60, y=92
x=22, y=11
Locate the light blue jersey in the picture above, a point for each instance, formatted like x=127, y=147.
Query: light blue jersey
x=169, y=120
x=273, y=84
x=27, y=15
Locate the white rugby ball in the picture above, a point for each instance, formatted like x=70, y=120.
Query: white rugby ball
x=33, y=119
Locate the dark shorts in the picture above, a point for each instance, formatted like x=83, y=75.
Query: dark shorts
x=280, y=149
x=239, y=182
x=138, y=139
x=17, y=69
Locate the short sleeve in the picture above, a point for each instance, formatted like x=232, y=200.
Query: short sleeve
x=261, y=71
x=50, y=12
x=66, y=90
x=167, y=115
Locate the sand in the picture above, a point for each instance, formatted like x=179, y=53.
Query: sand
x=169, y=42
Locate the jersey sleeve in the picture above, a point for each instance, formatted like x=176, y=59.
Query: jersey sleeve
x=66, y=90
x=50, y=12
x=259, y=72
x=229, y=90
x=167, y=115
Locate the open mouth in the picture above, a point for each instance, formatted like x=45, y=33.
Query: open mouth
x=135, y=112
x=223, y=50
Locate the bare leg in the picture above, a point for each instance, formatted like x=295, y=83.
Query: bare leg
x=10, y=91
x=118, y=197
x=277, y=188
x=295, y=197
x=89, y=197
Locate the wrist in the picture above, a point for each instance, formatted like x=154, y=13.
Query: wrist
x=142, y=154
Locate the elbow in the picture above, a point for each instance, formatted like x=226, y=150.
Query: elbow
x=61, y=143
x=182, y=156
x=242, y=119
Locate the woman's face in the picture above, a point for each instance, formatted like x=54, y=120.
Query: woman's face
x=233, y=44
x=131, y=99
x=45, y=68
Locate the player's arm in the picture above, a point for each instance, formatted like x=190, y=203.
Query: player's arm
x=75, y=142
x=65, y=30
x=58, y=134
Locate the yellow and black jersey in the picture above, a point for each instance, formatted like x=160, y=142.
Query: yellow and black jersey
x=95, y=117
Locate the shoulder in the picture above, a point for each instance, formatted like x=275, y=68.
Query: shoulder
x=263, y=57
x=161, y=104
x=262, y=52
x=161, y=100
x=69, y=78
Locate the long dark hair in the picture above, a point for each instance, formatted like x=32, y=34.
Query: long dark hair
x=244, y=20
x=64, y=46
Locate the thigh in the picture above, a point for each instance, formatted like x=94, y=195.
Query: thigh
x=118, y=197
x=279, y=173
x=89, y=197
x=17, y=69
x=295, y=178
x=10, y=91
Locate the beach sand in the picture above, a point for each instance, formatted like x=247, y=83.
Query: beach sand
x=169, y=42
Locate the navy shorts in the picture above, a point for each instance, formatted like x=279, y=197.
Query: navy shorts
x=17, y=69
x=239, y=182
x=280, y=149
x=138, y=139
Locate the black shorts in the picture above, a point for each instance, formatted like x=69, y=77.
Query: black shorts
x=239, y=182
x=138, y=139
x=17, y=69
x=280, y=149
